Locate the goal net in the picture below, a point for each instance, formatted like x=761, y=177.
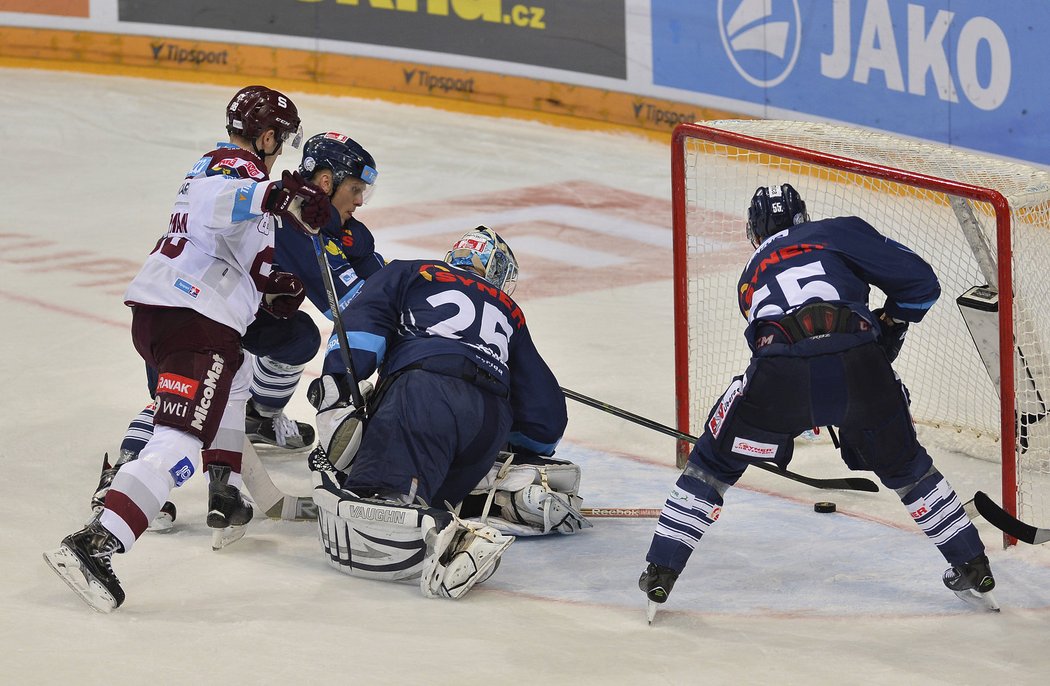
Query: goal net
x=978, y=220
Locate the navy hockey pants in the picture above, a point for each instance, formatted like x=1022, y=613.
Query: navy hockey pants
x=780, y=397
x=432, y=435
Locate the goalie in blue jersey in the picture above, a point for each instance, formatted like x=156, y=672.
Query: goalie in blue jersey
x=820, y=357
x=459, y=380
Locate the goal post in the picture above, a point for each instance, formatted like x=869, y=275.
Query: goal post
x=982, y=223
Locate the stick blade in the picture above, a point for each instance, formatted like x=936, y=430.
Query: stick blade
x=1007, y=523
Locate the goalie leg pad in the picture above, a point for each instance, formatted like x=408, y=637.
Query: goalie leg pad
x=536, y=498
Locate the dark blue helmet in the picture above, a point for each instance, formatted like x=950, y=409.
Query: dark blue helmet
x=773, y=209
x=340, y=154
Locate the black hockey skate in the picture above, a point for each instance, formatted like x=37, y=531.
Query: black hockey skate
x=83, y=562
x=98, y=500
x=228, y=510
x=277, y=429
x=973, y=583
x=656, y=582
x=165, y=519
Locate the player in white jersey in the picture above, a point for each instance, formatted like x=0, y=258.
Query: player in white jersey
x=192, y=301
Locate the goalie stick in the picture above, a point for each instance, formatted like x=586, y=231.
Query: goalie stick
x=337, y=320
x=272, y=501
x=621, y=512
x=849, y=483
x=1007, y=523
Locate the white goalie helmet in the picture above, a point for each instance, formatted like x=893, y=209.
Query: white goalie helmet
x=483, y=252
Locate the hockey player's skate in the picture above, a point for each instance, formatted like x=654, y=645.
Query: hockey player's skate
x=276, y=429
x=656, y=582
x=98, y=500
x=229, y=511
x=973, y=583
x=83, y=562
x=165, y=519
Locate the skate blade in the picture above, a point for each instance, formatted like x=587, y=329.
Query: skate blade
x=220, y=538
x=650, y=611
x=66, y=565
x=983, y=601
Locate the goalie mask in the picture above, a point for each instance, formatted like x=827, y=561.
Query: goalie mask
x=483, y=252
x=256, y=109
x=773, y=209
x=341, y=155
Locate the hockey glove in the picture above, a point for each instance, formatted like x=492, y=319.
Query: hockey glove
x=283, y=295
x=891, y=334
x=304, y=204
x=340, y=425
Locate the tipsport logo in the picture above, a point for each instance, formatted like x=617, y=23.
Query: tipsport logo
x=762, y=38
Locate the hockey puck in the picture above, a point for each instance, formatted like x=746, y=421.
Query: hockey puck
x=824, y=507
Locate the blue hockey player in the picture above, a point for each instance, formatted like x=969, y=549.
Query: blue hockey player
x=459, y=378
x=820, y=357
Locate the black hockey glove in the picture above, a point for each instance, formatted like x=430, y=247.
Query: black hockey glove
x=283, y=295
x=891, y=334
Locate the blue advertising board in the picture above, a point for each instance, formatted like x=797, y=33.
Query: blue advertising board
x=969, y=73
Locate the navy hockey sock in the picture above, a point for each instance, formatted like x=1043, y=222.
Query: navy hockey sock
x=273, y=382
x=936, y=508
x=139, y=431
x=691, y=508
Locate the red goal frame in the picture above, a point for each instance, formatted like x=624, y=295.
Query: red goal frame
x=680, y=136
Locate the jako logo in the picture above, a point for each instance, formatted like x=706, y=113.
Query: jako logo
x=761, y=37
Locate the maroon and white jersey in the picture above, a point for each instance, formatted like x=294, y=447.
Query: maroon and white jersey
x=217, y=253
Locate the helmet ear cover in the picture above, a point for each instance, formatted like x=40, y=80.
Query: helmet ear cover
x=773, y=209
x=482, y=251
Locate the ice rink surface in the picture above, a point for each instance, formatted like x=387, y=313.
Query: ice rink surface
x=774, y=594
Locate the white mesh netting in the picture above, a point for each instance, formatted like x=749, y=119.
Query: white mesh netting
x=949, y=384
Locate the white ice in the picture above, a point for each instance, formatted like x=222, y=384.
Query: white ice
x=774, y=594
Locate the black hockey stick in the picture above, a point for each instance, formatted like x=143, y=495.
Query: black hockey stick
x=337, y=320
x=849, y=483
x=1007, y=523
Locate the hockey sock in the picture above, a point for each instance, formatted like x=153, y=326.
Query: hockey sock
x=936, y=508
x=139, y=431
x=690, y=510
x=141, y=486
x=273, y=384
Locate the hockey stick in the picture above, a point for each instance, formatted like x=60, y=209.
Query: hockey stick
x=272, y=501
x=1007, y=523
x=337, y=320
x=850, y=483
x=624, y=512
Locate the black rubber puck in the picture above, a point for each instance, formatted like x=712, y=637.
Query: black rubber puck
x=824, y=506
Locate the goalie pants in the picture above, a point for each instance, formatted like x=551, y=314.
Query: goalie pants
x=432, y=436
x=777, y=399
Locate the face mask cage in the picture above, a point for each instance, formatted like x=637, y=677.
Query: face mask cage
x=478, y=253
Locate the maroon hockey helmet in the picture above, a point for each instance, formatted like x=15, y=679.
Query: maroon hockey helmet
x=254, y=109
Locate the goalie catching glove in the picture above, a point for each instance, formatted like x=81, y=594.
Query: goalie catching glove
x=340, y=424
